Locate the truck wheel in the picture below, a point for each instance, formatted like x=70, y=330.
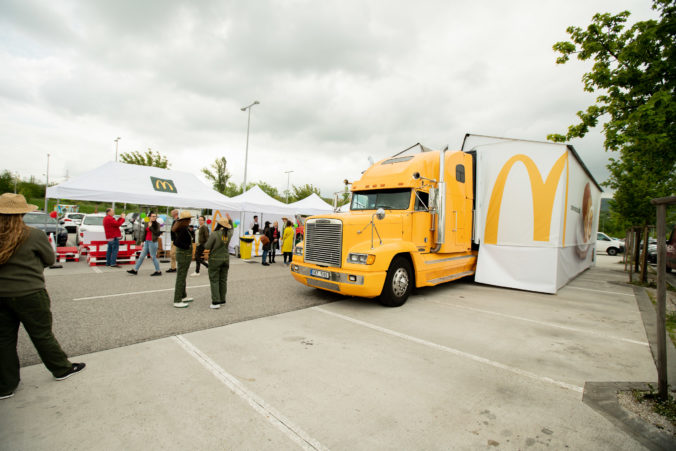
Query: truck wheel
x=612, y=251
x=398, y=283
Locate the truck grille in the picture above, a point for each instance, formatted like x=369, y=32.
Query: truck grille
x=323, y=242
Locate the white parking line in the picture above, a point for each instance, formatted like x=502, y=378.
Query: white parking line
x=96, y=270
x=600, y=291
x=131, y=293
x=457, y=352
x=544, y=323
x=292, y=431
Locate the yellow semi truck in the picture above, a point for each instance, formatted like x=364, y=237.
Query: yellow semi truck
x=427, y=217
x=409, y=224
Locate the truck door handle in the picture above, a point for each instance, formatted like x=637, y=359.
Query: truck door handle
x=455, y=213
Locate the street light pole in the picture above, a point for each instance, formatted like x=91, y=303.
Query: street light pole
x=116, y=141
x=246, y=153
x=288, y=176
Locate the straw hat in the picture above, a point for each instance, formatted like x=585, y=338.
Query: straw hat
x=185, y=215
x=15, y=204
x=224, y=222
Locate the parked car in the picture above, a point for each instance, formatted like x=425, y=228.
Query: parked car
x=671, y=251
x=72, y=221
x=91, y=229
x=606, y=244
x=47, y=224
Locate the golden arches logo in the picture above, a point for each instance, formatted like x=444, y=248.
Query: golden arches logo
x=163, y=185
x=217, y=216
x=543, y=197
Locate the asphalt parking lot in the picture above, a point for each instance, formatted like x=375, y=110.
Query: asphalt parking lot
x=459, y=366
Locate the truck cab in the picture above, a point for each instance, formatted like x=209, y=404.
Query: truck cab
x=409, y=225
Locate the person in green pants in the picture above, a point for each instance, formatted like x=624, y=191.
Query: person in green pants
x=183, y=243
x=24, y=253
x=219, y=260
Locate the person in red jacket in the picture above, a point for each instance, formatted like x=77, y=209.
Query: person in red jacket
x=111, y=228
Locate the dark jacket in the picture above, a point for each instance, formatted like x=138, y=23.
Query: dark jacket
x=22, y=274
x=154, y=230
x=181, y=235
x=202, y=235
x=268, y=232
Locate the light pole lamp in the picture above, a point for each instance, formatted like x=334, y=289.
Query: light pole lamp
x=288, y=176
x=246, y=152
x=116, y=141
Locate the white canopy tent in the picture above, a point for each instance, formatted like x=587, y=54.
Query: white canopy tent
x=312, y=205
x=254, y=202
x=145, y=185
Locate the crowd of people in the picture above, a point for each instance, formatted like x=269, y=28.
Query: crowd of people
x=26, y=251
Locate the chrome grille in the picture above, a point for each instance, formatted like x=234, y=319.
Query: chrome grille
x=323, y=242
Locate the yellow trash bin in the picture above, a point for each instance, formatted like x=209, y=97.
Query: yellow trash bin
x=245, y=245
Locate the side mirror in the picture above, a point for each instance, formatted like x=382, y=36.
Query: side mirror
x=380, y=213
x=434, y=192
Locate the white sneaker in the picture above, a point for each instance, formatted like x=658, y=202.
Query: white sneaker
x=186, y=300
x=195, y=274
x=215, y=306
x=181, y=304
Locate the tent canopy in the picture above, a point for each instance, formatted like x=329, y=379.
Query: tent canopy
x=312, y=205
x=258, y=201
x=146, y=185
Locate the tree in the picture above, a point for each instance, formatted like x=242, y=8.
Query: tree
x=302, y=191
x=634, y=73
x=220, y=175
x=269, y=190
x=149, y=158
x=6, y=182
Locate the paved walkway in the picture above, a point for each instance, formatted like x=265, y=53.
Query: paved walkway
x=460, y=366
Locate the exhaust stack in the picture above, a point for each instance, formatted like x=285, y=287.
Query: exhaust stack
x=441, y=203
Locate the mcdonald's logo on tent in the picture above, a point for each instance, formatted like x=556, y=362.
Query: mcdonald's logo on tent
x=166, y=186
x=543, y=191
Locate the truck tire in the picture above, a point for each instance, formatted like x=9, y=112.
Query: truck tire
x=611, y=251
x=398, y=283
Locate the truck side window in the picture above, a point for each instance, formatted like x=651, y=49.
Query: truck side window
x=460, y=173
x=421, y=201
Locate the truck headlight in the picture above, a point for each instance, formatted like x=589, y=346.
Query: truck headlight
x=362, y=259
x=298, y=250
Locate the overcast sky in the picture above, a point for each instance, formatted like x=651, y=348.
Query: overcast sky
x=337, y=81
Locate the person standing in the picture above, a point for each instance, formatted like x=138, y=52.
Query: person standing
x=111, y=228
x=202, y=236
x=152, y=233
x=287, y=242
x=275, y=241
x=172, y=252
x=219, y=260
x=24, y=253
x=183, y=244
x=267, y=242
x=255, y=228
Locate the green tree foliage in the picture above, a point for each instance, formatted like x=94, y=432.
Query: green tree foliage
x=218, y=175
x=302, y=191
x=6, y=182
x=634, y=73
x=270, y=190
x=149, y=158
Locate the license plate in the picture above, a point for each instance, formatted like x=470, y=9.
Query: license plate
x=320, y=273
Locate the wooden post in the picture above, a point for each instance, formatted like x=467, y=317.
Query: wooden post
x=662, y=381
x=644, y=256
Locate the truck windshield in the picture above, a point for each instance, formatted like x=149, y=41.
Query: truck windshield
x=389, y=199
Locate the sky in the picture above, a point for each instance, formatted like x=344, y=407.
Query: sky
x=337, y=81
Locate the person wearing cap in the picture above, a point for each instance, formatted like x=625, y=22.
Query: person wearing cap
x=24, y=253
x=183, y=243
x=219, y=260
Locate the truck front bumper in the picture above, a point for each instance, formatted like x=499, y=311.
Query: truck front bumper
x=366, y=284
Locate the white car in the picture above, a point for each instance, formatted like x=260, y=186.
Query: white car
x=606, y=244
x=71, y=221
x=91, y=229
